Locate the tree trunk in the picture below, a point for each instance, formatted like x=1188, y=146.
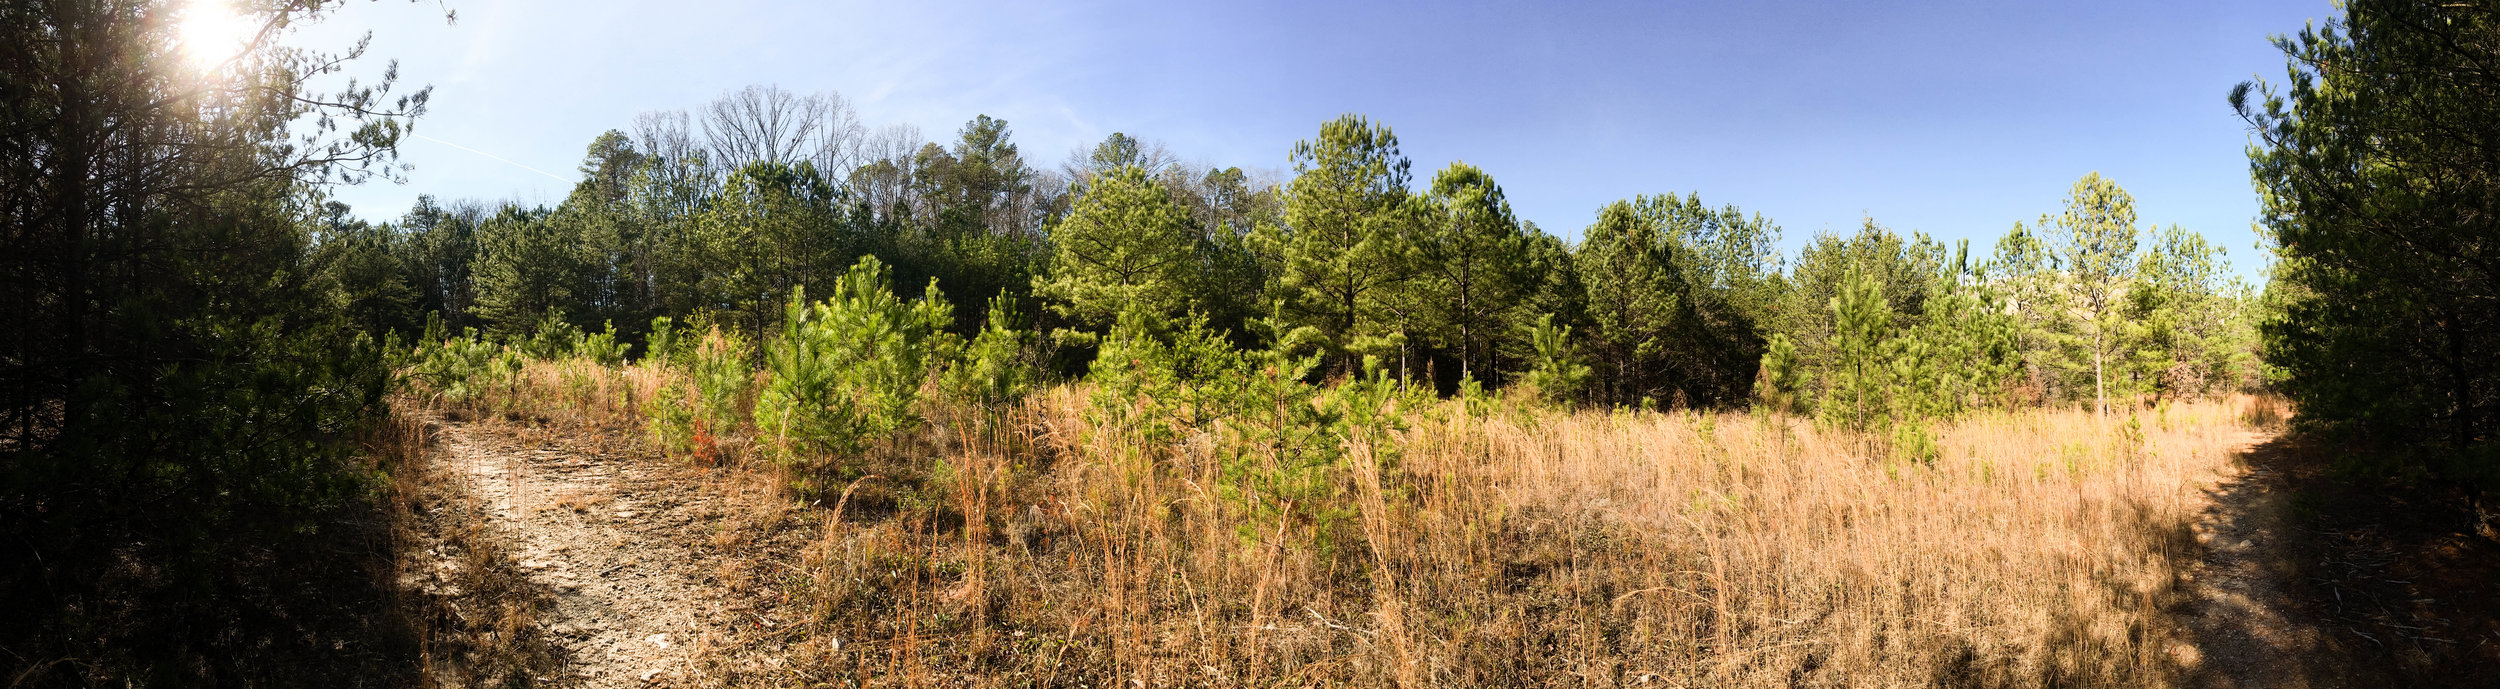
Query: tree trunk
x=2460, y=384
x=2100, y=385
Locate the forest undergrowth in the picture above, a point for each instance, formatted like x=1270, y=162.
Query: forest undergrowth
x=1404, y=539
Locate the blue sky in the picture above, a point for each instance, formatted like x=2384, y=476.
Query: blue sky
x=1954, y=118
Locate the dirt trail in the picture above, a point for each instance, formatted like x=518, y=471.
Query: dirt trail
x=611, y=534
x=2246, y=622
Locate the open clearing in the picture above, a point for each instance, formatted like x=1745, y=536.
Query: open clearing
x=654, y=572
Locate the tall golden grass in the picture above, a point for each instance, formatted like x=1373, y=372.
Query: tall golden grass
x=1509, y=546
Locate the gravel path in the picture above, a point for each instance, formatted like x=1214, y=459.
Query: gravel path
x=612, y=535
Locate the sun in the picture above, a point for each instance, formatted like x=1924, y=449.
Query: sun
x=212, y=33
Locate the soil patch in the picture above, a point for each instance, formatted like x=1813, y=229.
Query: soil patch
x=615, y=536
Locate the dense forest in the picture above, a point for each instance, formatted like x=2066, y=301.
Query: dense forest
x=201, y=346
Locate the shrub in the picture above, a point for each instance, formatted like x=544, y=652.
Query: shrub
x=1557, y=373
x=992, y=373
x=602, y=348
x=461, y=370
x=553, y=338
x=702, y=402
x=847, y=370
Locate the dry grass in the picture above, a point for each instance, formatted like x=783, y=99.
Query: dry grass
x=2264, y=411
x=1513, y=547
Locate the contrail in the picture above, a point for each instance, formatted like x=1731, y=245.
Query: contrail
x=507, y=161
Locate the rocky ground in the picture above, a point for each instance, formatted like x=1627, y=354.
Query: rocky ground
x=612, y=537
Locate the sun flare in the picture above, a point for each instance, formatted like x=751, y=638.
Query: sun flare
x=212, y=33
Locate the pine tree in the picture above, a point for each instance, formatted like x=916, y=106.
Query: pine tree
x=1861, y=370
x=1635, y=306
x=1340, y=252
x=770, y=231
x=1725, y=262
x=1127, y=244
x=2096, y=242
x=2374, y=165
x=1472, y=261
x=527, y=268
x=1555, y=372
x=1780, y=385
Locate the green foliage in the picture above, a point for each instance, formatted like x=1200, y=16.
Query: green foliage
x=1279, y=445
x=436, y=247
x=1637, y=307
x=1913, y=441
x=1340, y=252
x=186, y=376
x=707, y=399
x=360, y=265
x=1161, y=381
x=1126, y=244
x=1890, y=375
x=1556, y=372
x=462, y=370
x=991, y=373
x=1903, y=270
x=664, y=342
x=2373, y=164
x=527, y=270
x=1473, y=268
x=2184, y=331
x=771, y=232
x=1969, y=347
x=603, y=347
x=1277, y=439
x=1862, y=372
x=1727, y=264
x=552, y=339
x=1781, y=384
x=847, y=370
x=2095, y=241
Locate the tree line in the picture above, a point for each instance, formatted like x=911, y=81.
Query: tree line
x=1668, y=301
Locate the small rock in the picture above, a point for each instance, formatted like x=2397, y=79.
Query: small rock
x=648, y=674
x=660, y=640
x=625, y=514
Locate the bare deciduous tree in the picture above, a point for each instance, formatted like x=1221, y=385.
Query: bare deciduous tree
x=768, y=124
x=884, y=166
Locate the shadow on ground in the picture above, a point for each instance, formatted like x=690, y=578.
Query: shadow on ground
x=2318, y=577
